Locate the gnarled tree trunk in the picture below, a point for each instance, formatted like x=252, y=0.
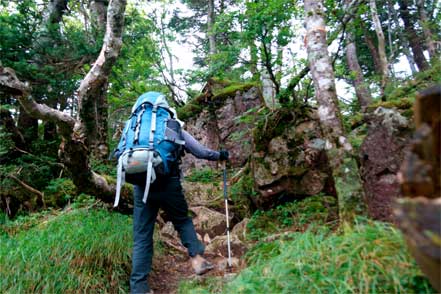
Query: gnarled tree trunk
x=74, y=150
x=344, y=167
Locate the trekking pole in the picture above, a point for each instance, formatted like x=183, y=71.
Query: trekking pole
x=226, y=212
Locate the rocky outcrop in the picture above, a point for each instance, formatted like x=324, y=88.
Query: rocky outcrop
x=381, y=155
x=289, y=161
x=217, y=119
x=208, y=222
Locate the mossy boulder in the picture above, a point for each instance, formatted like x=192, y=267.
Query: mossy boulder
x=222, y=117
x=289, y=160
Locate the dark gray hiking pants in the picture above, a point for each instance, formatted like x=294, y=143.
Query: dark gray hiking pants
x=165, y=193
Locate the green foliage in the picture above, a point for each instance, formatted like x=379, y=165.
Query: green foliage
x=293, y=216
x=6, y=143
x=204, y=175
x=369, y=257
x=241, y=192
x=76, y=251
x=59, y=192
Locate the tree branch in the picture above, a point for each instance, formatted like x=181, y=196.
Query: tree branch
x=351, y=9
x=39, y=194
x=10, y=84
x=102, y=67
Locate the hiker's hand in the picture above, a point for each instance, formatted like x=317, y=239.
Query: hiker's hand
x=223, y=155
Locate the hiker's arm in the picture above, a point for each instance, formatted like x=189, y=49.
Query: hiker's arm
x=197, y=149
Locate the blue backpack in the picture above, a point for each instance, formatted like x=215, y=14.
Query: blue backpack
x=150, y=144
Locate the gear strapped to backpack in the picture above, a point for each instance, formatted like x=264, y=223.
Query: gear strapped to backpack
x=150, y=143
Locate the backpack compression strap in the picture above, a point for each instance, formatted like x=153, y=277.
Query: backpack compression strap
x=120, y=180
x=151, y=175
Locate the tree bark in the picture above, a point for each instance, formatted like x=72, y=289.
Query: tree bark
x=74, y=150
x=404, y=42
x=426, y=29
x=267, y=62
x=98, y=10
x=97, y=131
x=414, y=40
x=55, y=11
x=28, y=126
x=383, y=63
x=7, y=121
x=344, y=167
x=352, y=8
x=210, y=28
x=373, y=50
x=361, y=89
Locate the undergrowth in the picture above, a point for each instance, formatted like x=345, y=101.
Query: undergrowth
x=293, y=216
x=368, y=257
x=74, y=251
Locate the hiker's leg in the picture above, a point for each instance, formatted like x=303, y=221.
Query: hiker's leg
x=144, y=216
x=174, y=204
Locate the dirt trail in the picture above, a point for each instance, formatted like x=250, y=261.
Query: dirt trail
x=172, y=268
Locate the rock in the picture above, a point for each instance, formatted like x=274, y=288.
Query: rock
x=198, y=193
x=381, y=154
x=240, y=229
x=169, y=230
x=219, y=246
x=293, y=163
x=209, y=221
x=223, y=265
x=217, y=126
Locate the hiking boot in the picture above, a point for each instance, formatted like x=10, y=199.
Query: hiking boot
x=201, y=265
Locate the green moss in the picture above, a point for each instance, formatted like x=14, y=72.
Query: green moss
x=403, y=104
x=271, y=126
x=221, y=90
x=231, y=90
x=297, y=170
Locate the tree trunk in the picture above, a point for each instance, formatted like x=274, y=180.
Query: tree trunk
x=267, y=62
x=28, y=126
x=55, y=11
x=97, y=126
x=7, y=121
x=403, y=41
x=253, y=61
x=425, y=23
x=344, y=167
x=414, y=40
x=373, y=50
x=98, y=10
x=384, y=64
x=210, y=28
x=361, y=88
x=74, y=150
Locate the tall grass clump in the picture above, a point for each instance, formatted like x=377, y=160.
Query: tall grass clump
x=369, y=257
x=78, y=251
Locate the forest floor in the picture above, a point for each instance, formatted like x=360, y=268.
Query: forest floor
x=170, y=268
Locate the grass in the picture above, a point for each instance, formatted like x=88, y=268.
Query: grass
x=293, y=216
x=368, y=257
x=77, y=251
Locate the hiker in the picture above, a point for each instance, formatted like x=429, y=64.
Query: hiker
x=148, y=155
x=166, y=193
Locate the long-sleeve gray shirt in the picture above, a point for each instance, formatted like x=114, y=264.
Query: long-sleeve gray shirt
x=197, y=149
